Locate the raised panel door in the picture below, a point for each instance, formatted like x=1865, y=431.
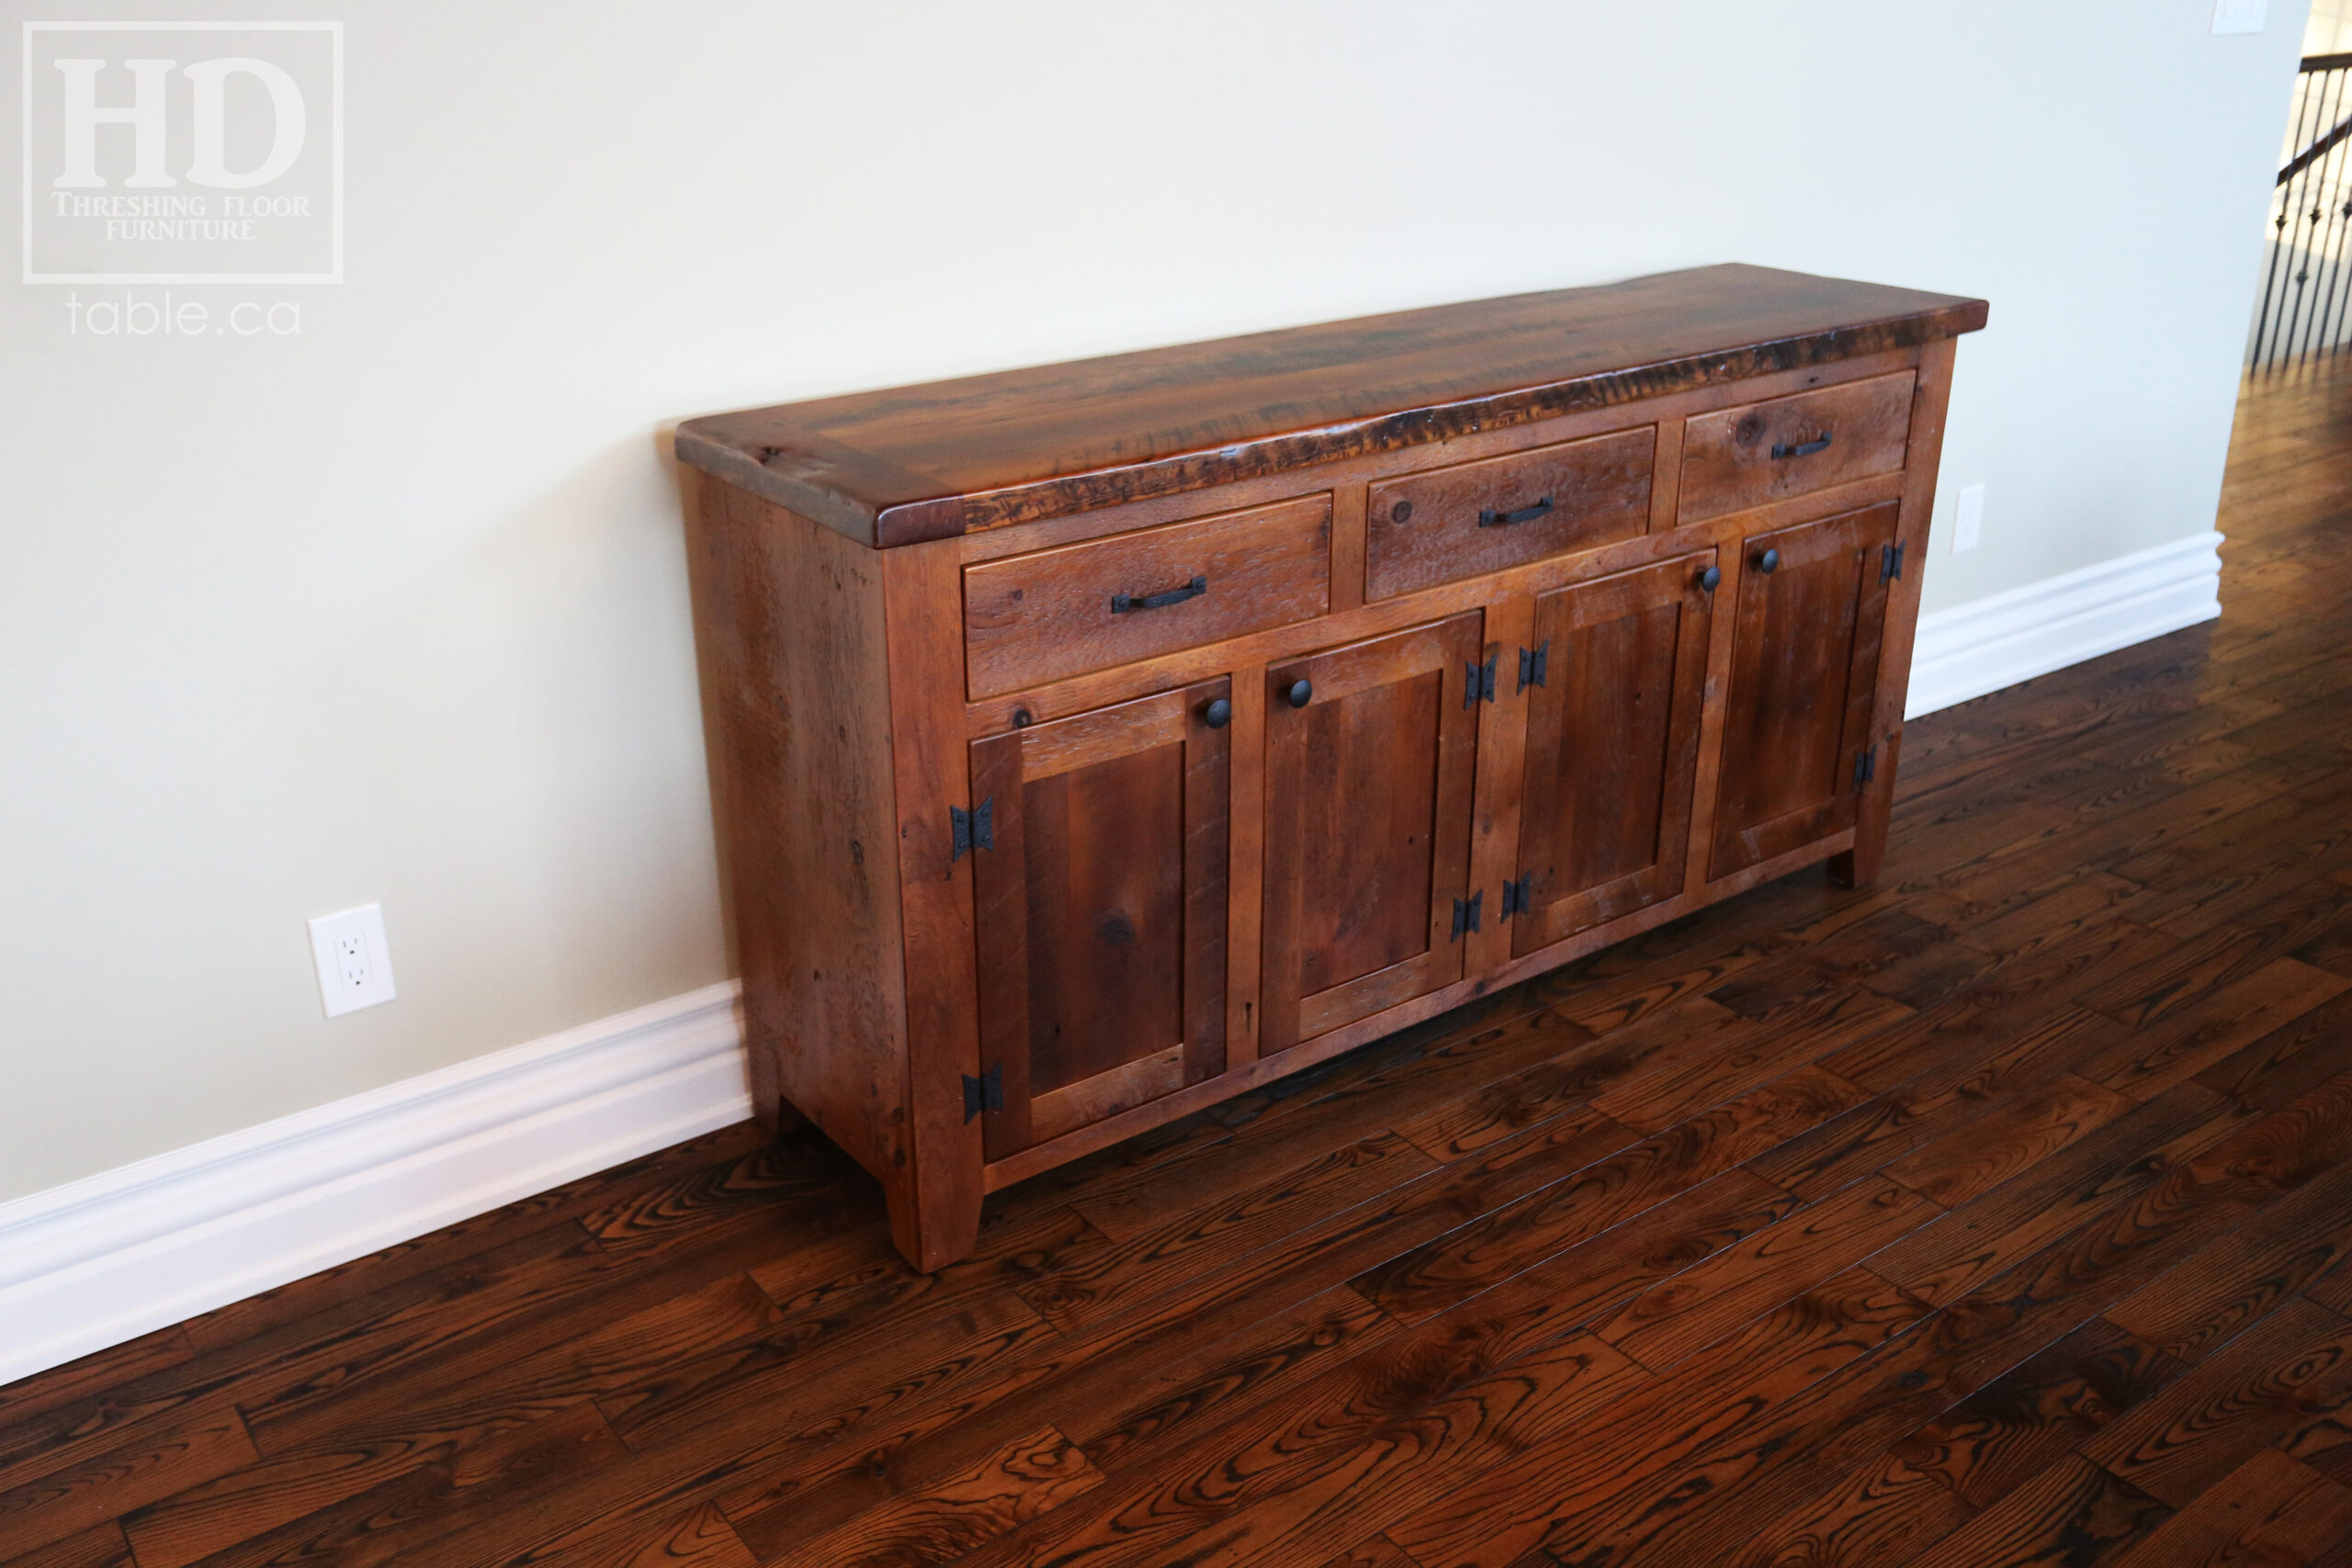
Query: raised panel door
x=1370, y=754
x=1098, y=873
x=1805, y=665
x=1614, y=685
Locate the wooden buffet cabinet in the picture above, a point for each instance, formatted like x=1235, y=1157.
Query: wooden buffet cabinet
x=1099, y=740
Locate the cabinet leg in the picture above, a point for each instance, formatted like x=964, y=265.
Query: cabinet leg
x=1846, y=871
x=931, y=1240
x=767, y=1085
x=780, y=1117
x=1859, y=866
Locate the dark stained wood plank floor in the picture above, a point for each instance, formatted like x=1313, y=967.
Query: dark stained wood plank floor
x=1998, y=1213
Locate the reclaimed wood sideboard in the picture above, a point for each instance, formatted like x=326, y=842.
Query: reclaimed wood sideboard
x=1099, y=740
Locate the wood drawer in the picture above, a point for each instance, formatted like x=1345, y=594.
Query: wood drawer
x=1449, y=524
x=1744, y=456
x=1033, y=618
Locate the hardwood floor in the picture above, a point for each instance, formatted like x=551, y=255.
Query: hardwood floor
x=1997, y=1213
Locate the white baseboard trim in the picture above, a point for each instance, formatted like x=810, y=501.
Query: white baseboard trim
x=1973, y=648
x=105, y=1259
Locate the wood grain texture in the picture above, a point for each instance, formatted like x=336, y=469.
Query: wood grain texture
x=1923, y=457
x=1807, y=1227
x=1804, y=680
x=699, y=1538
x=2239, y=1400
x=1499, y=788
x=799, y=705
x=1026, y=1478
x=1077, y=694
x=1035, y=618
x=2073, y=1513
x=1102, y=911
x=100, y=1546
x=1472, y=518
x=1989, y=1444
x=919, y=463
x=80, y=1496
x=1612, y=747
x=2270, y=1509
x=935, y=1191
x=1368, y=803
x=1746, y=456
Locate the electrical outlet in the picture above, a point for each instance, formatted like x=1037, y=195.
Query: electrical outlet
x=2238, y=15
x=355, y=962
x=1968, y=518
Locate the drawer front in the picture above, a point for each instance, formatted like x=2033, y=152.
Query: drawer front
x=1739, y=458
x=1454, y=523
x=1033, y=618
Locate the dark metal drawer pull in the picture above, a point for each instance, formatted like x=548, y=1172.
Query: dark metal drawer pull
x=1123, y=603
x=1525, y=514
x=1805, y=449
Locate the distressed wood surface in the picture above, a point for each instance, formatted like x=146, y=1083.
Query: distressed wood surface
x=916, y=463
x=1613, y=746
x=1472, y=518
x=1031, y=619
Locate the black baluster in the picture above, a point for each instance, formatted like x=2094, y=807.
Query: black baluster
x=2267, y=319
x=2307, y=195
x=2331, y=186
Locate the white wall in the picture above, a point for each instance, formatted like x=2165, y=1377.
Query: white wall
x=395, y=608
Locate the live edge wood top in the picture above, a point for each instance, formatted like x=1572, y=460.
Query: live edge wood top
x=916, y=463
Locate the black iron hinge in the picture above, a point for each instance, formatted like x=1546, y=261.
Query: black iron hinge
x=1466, y=915
x=1478, y=681
x=973, y=830
x=1889, y=562
x=1518, y=896
x=985, y=1092
x=1532, y=662
x=1865, y=766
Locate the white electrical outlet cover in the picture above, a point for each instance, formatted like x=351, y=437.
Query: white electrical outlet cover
x=355, y=961
x=2238, y=15
x=1968, y=518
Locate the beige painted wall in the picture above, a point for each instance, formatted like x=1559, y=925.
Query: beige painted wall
x=395, y=609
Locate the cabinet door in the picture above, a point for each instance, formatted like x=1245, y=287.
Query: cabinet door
x=1614, y=686
x=1370, y=750
x=1100, y=878
x=1805, y=663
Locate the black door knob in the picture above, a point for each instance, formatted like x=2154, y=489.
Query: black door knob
x=1768, y=562
x=1711, y=579
x=1299, y=694
x=1217, y=714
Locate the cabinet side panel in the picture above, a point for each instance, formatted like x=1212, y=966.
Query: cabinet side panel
x=1930, y=403
x=799, y=695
